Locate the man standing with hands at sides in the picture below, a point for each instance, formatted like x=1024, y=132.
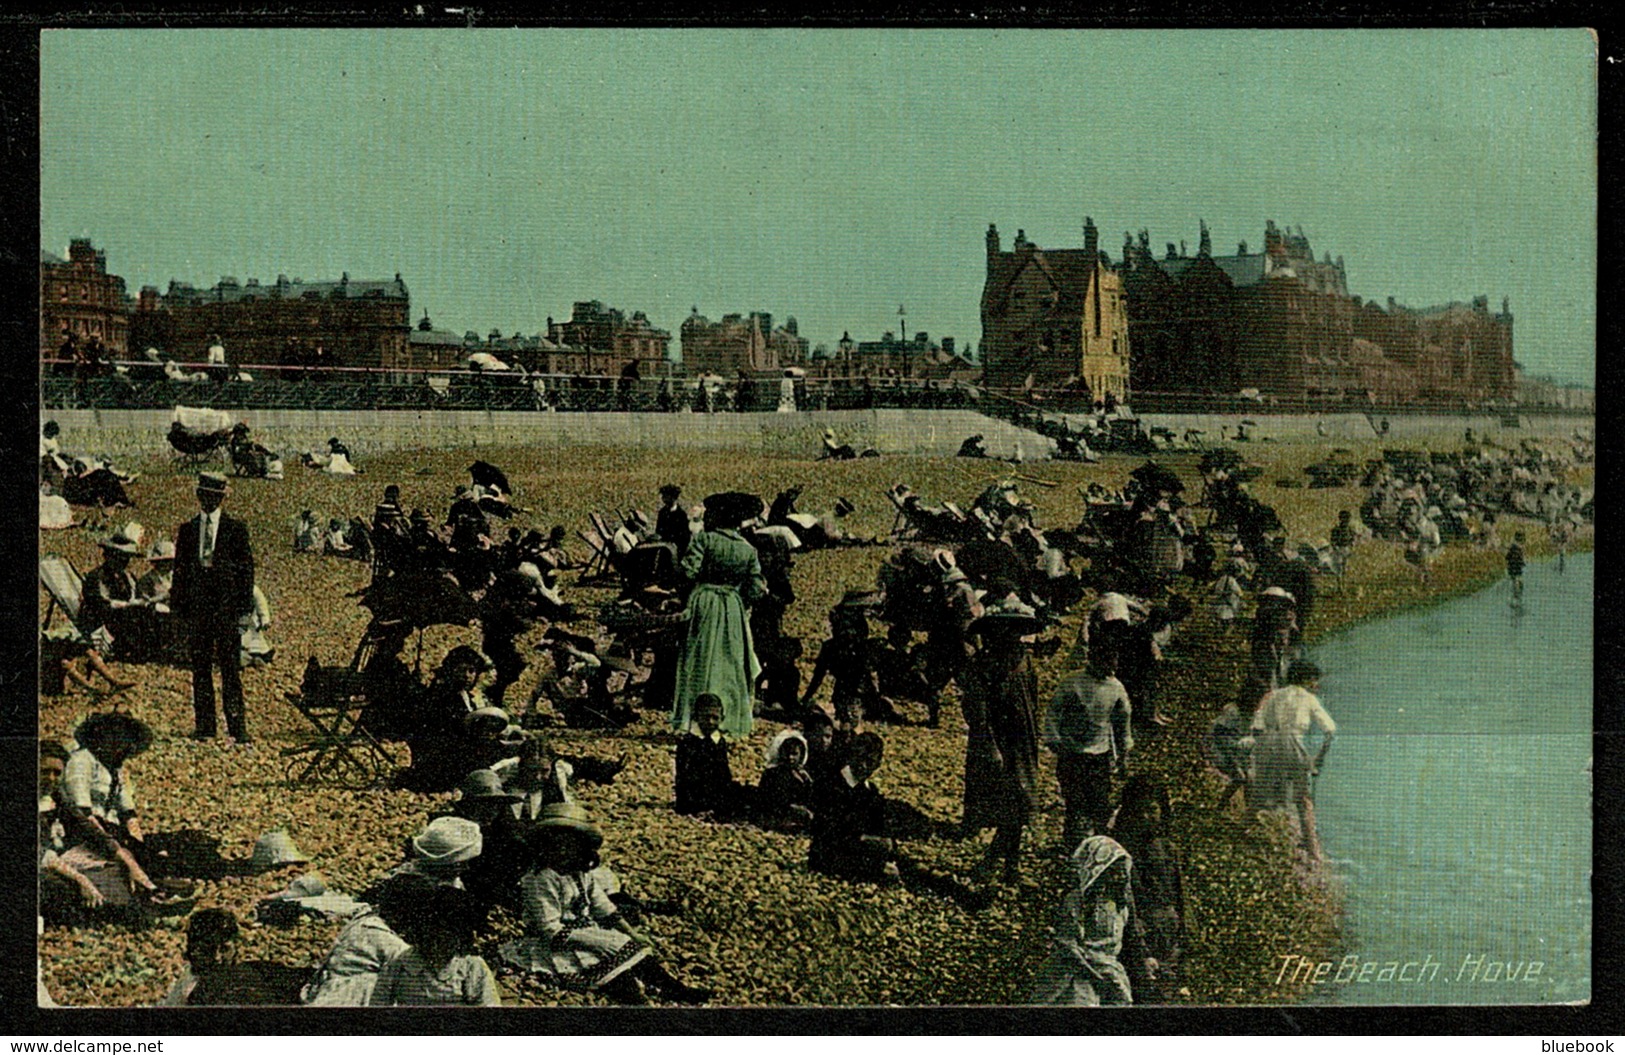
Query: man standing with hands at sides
x=213, y=587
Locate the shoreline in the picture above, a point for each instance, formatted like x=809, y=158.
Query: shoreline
x=1315, y=899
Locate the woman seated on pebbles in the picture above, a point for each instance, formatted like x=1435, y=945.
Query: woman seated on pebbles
x=98, y=803
x=576, y=936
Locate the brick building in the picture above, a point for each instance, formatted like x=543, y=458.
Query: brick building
x=603, y=340
x=920, y=357
x=295, y=323
x=78, y=296
x=737, y=342
x=1056, y=316
x=1282, y=322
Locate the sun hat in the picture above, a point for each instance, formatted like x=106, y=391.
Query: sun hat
x=447, y=841
x=109, y=727
x=273, y=850
x=119, y=542
x=487, y=715
x=569, y=816
x=161, y=550
x=861, y=599
x=484, y=784
x=213, y=483
x=1009, y=616
x=467, y=655
x=732, y=508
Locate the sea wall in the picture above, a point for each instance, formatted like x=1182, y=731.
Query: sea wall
x=926, y=432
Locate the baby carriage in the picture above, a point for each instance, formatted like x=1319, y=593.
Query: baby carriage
x=197, y=433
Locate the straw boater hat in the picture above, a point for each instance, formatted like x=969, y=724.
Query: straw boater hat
x=447, y=841
x=213, y=483
x=273, y=850
x=484, y=784
x=572, y=817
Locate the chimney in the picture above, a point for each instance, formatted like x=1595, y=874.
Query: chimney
x=1241, y=248
x=992, y=241
x=1091, y=238
x=1173, y=251
x=1205, y=246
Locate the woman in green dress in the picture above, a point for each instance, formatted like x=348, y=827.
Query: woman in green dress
x=717, y=653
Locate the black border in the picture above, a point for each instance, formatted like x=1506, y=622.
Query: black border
x=19, y=243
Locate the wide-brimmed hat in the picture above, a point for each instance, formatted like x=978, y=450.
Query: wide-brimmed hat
x=1008, y=616
x=119, y=542
x=213, y=483
x=861, y=599
x=113, y=727
x=273, y=850
x=484, y=784
x=495, y=717
x=844, y=506
x=732, y=508
x=569, y=816
x=467, y=655
x=161, y=550
x=448, y=841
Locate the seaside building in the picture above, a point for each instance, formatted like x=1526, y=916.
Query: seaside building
x=602, y=340
x=1282, y=322
x=748, y=342
x=1054, y=317
x=78, y=296
x=290, y=322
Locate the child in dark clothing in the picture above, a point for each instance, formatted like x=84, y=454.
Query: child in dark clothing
x=1515, y=563
x=849, y=819
x=705, y=782
x=784, y=795
x=848, y=656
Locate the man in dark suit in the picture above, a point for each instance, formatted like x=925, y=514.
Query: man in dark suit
x=213, y=587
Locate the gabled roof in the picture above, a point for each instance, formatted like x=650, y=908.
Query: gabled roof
x=1069, y=269
x=1243, y=270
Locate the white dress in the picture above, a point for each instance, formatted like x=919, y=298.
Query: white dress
x=407, y=980
x=347, y=977
x=566, y=942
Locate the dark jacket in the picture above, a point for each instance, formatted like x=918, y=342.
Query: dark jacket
x=220, y=593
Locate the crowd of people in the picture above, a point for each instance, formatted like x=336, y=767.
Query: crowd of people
x=969, y=601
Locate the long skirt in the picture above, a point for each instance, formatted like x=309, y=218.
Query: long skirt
x=718, y=657
x=1281, y=766
x=590, y=957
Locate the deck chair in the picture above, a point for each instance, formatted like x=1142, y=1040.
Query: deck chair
x=601, y=562
x=65, y=586
x=341, y=751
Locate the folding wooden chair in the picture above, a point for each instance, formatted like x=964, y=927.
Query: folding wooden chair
x=600, y=564
x=341, y=752
x=65, y=586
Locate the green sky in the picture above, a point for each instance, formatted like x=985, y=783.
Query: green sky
x=831, y=174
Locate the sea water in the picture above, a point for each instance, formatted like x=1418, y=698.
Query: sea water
x=1455, y=805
